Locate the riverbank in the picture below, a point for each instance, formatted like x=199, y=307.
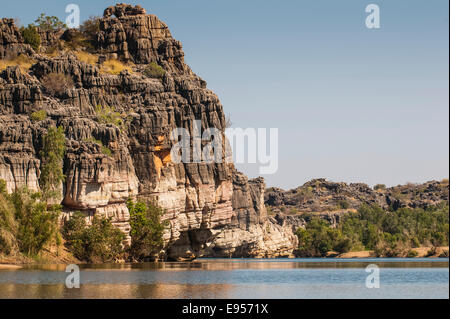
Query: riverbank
x=46, y=257
x=64, y=257
x=420, y=251
x=9, y=267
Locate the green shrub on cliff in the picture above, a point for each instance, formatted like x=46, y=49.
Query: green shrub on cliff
x=105, y=149
x=52, y=155
x=31, y=36
x=98, y=242
x=107, y=115
x=146, y=230
x=38, y=116
x=153, y=70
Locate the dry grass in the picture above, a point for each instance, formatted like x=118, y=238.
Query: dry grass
x=87, y=57
x=54, y=51
x=56, y=84
x=21, y=60
x=115, y=67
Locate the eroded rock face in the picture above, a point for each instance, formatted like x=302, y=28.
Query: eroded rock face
x=331, y=201
x=11, y=41
x=320, y=195
x=212, y=210
x=142, y=38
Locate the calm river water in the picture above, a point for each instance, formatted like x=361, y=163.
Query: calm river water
x=235, y=278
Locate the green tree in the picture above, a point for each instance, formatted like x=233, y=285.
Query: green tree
x=319, y=238
x=388, y=233
x=90, y=29
x=37, y=226
x=98, y=242
x=146, y=230
x=49, y=23
x=31, y=36
x=52, y=155
x=8, y=223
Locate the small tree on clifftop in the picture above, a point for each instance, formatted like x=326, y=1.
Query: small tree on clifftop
x=48, y=23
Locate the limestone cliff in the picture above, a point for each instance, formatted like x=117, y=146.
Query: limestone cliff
x=212, y=210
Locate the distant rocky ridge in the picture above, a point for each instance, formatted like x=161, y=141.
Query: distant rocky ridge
x=212, y=210
x=331, y=200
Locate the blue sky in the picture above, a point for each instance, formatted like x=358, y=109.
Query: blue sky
x=351, y=104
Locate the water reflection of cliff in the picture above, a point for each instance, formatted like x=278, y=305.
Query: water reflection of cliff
x=204, y=279
x=113, y=291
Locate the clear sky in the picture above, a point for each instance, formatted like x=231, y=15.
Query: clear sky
x=351, y=104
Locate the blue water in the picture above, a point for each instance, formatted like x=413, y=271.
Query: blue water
x=236, y=278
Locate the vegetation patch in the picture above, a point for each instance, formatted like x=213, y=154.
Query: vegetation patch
x=87, y=57
x=319, y=238
x=105, y=149
x=49, y=23
x=90, y=28
x=389, y=234
x=153, y=70
x=108, y=115
x=342, y=204
x=304, y=194
x=77, y=41
x=38, y=116
x=114, y=67
x=379, y=187
x=146, y=230
x=95, y=243
x=23, y=61
x=31, y=36
x=57, y=83
x=27, y=223
x=52, y=154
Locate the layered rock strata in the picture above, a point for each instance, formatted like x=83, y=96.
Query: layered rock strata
x=211, y=209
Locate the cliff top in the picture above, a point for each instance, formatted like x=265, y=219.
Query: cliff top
x=320, y=195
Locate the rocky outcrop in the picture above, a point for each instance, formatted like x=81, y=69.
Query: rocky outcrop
x=120, y=10
x=211, y=209
x=330, y=201
x=11, y=40
x=320, y=195
x=132, y=35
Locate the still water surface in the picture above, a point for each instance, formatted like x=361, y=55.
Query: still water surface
x=235, y=278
